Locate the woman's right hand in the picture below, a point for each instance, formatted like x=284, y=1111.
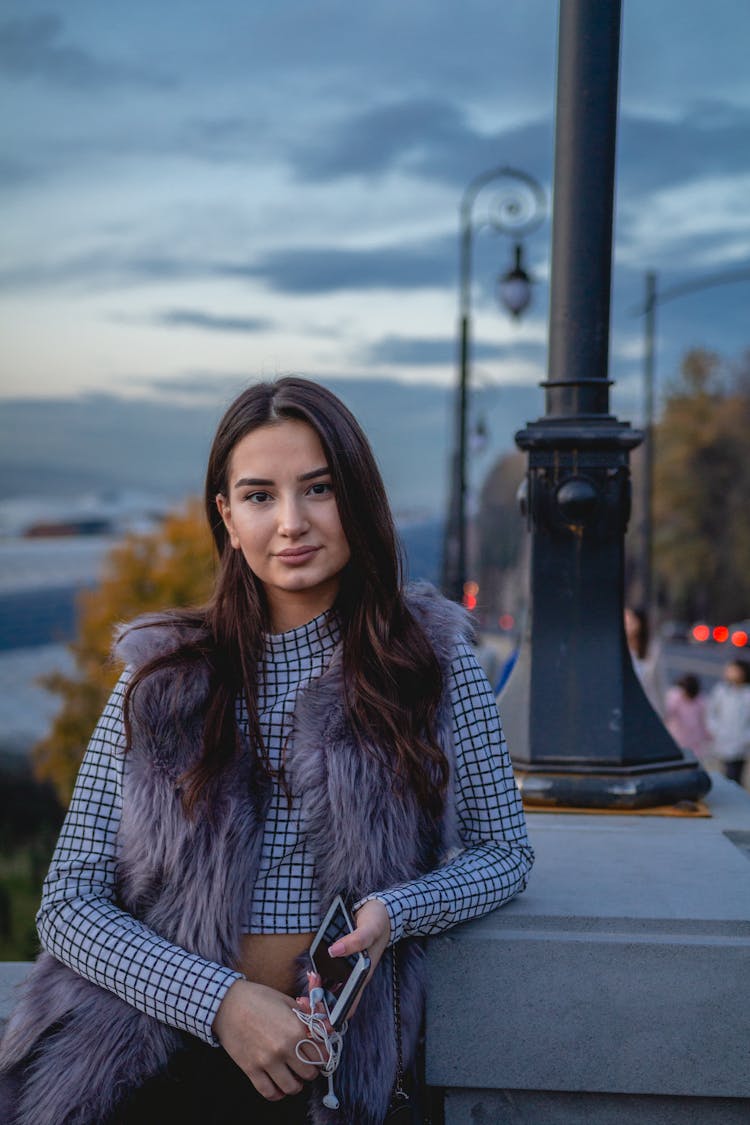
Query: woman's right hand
x=257, y=1027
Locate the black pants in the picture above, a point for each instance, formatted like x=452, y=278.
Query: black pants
x=203, y=1086
x=734, y=769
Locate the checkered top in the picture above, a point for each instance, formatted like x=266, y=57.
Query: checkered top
x=79, y=920
x=284, y=898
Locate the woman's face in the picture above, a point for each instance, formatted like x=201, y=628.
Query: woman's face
x=281, y=513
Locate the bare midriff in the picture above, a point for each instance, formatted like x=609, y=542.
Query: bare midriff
x=271, y=959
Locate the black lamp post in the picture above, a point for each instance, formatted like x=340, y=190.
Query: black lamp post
x=579, y=725
x=518, y=208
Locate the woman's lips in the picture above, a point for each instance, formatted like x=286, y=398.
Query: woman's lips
x=296, y=556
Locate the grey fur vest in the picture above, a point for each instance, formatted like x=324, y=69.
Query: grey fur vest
x=191, y=882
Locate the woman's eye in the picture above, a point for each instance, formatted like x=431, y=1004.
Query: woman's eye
x=258, y=497
x=321, y=488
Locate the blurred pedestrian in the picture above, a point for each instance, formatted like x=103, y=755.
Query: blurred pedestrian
x=685, y=715
x=728, y=716
x=645, y=657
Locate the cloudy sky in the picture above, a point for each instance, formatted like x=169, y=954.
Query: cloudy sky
x=196, y=194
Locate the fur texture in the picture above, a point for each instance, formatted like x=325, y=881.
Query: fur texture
x=77, y=1046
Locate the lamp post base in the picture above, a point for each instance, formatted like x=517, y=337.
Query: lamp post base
x=580, y=728
x=623, y=787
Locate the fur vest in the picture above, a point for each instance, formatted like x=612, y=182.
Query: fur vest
x=191, y=882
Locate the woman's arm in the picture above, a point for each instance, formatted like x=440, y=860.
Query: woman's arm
x=80, y=923
x=496, y=857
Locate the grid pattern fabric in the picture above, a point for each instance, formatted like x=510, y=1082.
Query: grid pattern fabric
x=79, y=920
x=284, y=896
x=496, y=857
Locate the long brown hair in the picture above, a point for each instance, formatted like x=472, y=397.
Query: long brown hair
x=391, y=674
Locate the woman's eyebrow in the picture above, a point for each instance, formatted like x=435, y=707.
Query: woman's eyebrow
x=262, y=482
x=324, y=472
x=255, y=482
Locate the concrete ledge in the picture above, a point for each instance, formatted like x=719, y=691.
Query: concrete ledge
x=622, y=974
x=529, y=1107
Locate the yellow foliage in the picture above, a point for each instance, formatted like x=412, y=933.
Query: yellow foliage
x=171, y=566
x=701, y=485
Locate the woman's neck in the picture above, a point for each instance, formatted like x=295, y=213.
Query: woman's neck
x=290, y=611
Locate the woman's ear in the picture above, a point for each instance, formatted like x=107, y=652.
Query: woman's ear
x=226, y=514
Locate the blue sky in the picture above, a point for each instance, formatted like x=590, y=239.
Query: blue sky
x=197, y=194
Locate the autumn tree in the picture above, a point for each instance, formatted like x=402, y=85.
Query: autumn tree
x=701, y=489
x=170, y=566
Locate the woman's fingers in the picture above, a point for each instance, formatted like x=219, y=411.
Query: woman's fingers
x=282, y=1084
x=373, y=932
x=276, y=1077
x=258, y=1029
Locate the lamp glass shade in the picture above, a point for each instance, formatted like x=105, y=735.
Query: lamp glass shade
x=514, y=291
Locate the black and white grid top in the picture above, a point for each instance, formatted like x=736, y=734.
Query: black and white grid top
x=80, y=923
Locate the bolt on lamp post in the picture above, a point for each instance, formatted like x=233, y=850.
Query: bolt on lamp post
x=518, y=208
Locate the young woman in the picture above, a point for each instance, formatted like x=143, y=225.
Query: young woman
x=315, y=729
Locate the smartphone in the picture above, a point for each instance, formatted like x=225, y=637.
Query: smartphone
x=342, y=977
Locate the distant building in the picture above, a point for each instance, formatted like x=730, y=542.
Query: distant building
x=65, y=528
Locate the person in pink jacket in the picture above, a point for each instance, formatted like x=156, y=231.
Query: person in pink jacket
x=685, y=715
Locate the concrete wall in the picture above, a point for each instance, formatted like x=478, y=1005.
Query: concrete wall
x=617, y=988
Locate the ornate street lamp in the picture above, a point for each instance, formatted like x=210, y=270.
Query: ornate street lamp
x=518, y=207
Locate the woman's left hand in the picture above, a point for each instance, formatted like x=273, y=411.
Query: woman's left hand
x=372, y=932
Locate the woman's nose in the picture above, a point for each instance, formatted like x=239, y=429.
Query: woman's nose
x=292, y=518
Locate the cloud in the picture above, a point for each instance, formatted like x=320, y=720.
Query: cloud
x=190, y=387
x=711, y=139
x=32, y=48
x=430, y=137
x=432, y=351
x=324, y=269
x=13, y=173
x=100, y=267
x=192, y=318
x=697, y=225
x=434, y=138
x=382, y=137
x=230, y=139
